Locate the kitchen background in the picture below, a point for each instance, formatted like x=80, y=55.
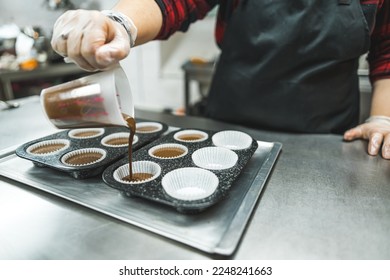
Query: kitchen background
x=155, y=69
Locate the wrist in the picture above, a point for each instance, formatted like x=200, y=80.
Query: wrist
x=126, y=23
x=377, y=118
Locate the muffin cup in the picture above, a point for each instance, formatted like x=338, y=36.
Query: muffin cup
x=168, y=151
x=117, y=140
x=190, y=183
x=85, y=133
x=138, y=167
x=84, y=157
x=214, y=158
x=148, y=127
x=190, y=136
x=232, y=139
x=48, y=147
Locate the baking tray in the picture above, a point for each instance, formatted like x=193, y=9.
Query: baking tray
x=93, y=143
x=212, y=156
x=217, y=230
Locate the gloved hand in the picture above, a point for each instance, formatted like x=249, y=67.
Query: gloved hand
x=90, y=39
x=377, y=131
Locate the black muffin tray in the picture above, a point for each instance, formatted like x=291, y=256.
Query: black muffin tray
x=154, y=191
x=112, y=154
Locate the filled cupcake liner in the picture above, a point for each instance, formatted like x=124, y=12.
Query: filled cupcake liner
x=116, y=136
x=82, y=152
x=143, y=125
x=190, y=183
x=180, y=136
x=232, y=139
x=47, y=144
x=138, y=167
x=167, y=147
x=214, y=158
x=88, y=133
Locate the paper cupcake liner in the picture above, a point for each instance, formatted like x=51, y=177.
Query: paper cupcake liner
x=49, y=147
x=138, y=167
x=85, y=133
x=82, y=155
x=148, y=127
x=117, y=140
x=214, y=158
x=163, y=151
x=190, y=136
x=232, y=139
x=190, y=183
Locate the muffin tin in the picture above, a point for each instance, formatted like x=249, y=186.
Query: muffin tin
x=84, y=153
x=190, y=169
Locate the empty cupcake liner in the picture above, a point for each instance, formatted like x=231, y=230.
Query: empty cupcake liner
x=48, y=147
x=85, y=133
x=168, y=151
x=83, y=157
x=138, y=167
x=232, y=139
x=190, y=183
x=190, y=136
x=148, y=127
x=117, y=140
x=214, y=158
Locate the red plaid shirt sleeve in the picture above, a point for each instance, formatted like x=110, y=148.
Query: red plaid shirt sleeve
x=179, y=14
x=379, y=54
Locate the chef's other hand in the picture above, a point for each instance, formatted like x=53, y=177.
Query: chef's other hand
x=90, y=39
x=377, y=131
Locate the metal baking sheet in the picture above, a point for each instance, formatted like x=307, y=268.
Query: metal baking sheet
x=217, y=230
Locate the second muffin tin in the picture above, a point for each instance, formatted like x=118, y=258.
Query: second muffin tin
x=191, y=169
x=84, y=153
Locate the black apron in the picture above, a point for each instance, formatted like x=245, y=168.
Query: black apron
x=291, y=65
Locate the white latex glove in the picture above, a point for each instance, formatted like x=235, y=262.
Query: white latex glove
x=90, y=39
x=377, y=131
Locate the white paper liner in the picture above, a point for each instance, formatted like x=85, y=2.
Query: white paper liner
x=214, y=158
x=168, y=146
x=232, y=139
x=84, y=151
x=64, y=142
x=73, y=133
x=189, y=132
x=145, y=124
x=118, y=135
x=190, y=183
x=142, y=166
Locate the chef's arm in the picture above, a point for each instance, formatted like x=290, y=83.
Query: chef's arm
x=146, y=16
x=381, y=98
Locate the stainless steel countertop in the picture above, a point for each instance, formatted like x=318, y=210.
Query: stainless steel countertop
x=325, y=199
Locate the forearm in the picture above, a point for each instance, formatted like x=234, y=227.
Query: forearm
x=380, y=105
x=146, y=16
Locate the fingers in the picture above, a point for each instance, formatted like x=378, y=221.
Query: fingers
x=90, y=39
x=375, y=143
x=353, y=133
x=377, y=134
x=386, y=147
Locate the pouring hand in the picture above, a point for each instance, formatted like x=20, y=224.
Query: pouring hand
x=90, y=39
x=377, y=131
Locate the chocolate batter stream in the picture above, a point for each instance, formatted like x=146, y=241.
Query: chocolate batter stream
x=136, y=176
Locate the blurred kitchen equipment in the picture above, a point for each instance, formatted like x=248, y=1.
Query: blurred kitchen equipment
x=55, y=5
x=5, y=105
